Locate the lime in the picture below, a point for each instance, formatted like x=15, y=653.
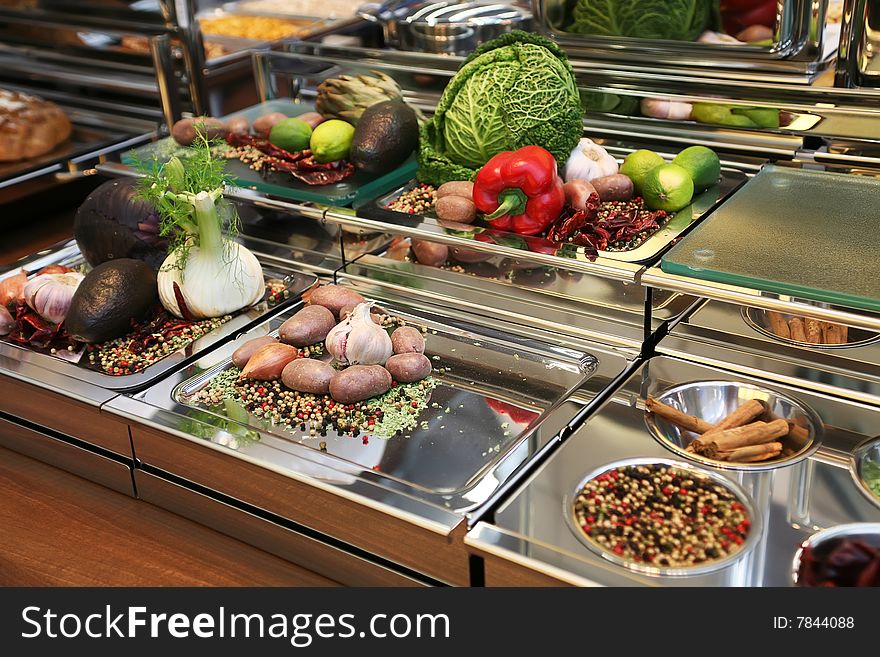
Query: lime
x=702, y=164
x=331, y=140
x=668, y=187
x=637, y=165
x=291, y=134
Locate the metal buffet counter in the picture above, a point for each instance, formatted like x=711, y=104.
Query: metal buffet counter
x=544, y=358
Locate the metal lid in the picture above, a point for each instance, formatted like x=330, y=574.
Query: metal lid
x=443, y=12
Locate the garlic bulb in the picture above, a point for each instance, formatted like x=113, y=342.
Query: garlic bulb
x=588, y=160
x=49, y=295
x=661, y=108
x=358, y=340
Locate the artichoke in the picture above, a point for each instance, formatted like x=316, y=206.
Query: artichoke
x=346, y=97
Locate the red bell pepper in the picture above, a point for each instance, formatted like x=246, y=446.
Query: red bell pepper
x=520, y=191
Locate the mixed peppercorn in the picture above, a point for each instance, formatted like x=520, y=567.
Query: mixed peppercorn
x=418, y=200
x=662, y=516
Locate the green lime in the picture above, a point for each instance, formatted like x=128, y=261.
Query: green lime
x=291, y=134
x=637, y=165
x=331, y=140
x=668, y=187
x=702, y=164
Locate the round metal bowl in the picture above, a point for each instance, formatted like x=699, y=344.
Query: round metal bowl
x=714, y=400
x=758, y=319
x=868, y=531
x=866, y=451
x=678, y=571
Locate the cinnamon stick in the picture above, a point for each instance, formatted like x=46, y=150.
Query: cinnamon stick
x=797, y=329
x=798, y=434
x=757, y=452
x=836, y=333
x=778, y=325
x=742, y=415
x=814, y=331
x=683, y=420
x=755, y=433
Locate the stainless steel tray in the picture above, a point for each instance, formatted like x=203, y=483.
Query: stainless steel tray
x=68, y=254
x=646, y=252
x=529, y=535
x=466, y=441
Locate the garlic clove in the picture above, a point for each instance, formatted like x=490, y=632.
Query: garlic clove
x=49, y=295
x=267, y=363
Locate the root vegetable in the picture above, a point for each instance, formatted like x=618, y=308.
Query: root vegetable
x=307, y=327
x=312, y=118
x=242, y=355
x=659, y=108
x=263, y=125
x=616, y=187
x=407, y=340
x=308, y=375
x=468, y=256
x=430, y=253
x=238, y=125
x=334, y=298
x=267, y=363
x=185, y=131
x=359, y=382
x=407, y=368
x=456, y=208
x=463, y=188
x=577, y=192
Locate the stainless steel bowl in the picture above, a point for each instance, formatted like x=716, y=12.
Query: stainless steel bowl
x=869, y=531
x=449, y=27
x=694, y=472
x=866, y=451
x=758, y=319
x=714, y=400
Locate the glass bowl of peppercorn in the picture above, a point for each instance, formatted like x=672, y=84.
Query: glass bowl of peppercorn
x=733, y=425
x=663, y=517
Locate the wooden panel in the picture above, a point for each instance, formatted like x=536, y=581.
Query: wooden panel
x=60, y=530
x=499, y=572
x=63, y=414
x=275, y=539
x=77, y=460
x=440, y=556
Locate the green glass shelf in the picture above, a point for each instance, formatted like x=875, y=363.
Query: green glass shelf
x=808, y=234
x=358, y=188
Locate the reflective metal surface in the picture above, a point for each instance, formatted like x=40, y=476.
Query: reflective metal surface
x=529, y=539
x=869, y=531
x=759, y=320
x=497, y=398
x=867, y=455
x=712, y=401
x=78, y=367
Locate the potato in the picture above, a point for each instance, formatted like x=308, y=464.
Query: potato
x=577, y=192
x=349, y=309
x=334, y=298
x=359, y=382
x=243, y=354
x=238, y=125
x=312, y=118
x=430, y=253
x=308, y=375
x=755, y=33
x=456, y=208
x=307, y=327
x=407, y=340
x=184, y=132
x=406, y=368
x=263, y=125
x=464, y=188
x=616, y=187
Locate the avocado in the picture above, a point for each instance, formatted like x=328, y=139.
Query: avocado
x=109, y=298
x=385, y=137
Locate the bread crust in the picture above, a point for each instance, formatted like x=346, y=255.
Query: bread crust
x=29, y=126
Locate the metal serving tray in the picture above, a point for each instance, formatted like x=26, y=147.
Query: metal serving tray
x=529, y=541
x=68, y=254
x=461, y=437
x=646, y=252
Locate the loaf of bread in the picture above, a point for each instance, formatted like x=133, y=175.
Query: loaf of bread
x=29, y=126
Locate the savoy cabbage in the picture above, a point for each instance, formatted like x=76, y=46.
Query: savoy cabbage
x=680, y=20
x=515, y=91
